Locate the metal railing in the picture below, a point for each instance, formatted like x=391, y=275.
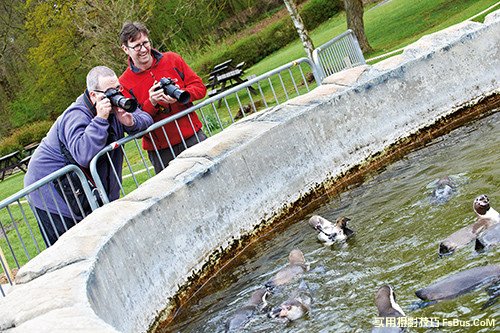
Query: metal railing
x=216, y=113
x=342, y=52
x=21, y=237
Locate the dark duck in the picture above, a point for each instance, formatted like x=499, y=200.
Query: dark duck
x=385, y=300
x=297, y=306
x=460, y=283
x=243, y=315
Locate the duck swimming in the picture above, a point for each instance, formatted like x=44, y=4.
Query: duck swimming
x=385, y=300
x=329, y=232
x=443, y=190
x=298, y=305
x=244, y=314
x=296, y=267
x=488, y=238
x=460, y=283
x=484, y=211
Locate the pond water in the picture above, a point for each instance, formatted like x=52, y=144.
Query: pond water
x=398, y=230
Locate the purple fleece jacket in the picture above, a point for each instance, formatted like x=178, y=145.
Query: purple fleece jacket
x=84, y=135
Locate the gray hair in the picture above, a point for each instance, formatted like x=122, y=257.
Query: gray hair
x=95, y=74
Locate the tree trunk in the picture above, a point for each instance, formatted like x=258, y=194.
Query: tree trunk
x=301, y=29
x=354, y=15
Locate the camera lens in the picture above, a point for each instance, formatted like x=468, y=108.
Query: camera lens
x=172, y=90
x=117, y=99
x=126, y=104
x=180, y=95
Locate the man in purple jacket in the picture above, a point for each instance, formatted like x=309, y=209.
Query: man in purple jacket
x=83, y=129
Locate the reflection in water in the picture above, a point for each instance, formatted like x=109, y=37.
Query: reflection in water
x=398, y=229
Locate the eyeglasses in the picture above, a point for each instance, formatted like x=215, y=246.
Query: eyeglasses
x=118, y=88
x=139, y=46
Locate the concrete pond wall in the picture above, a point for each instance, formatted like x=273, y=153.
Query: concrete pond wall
x=117, y=270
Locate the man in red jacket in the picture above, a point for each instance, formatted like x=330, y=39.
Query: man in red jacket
x=141, y=80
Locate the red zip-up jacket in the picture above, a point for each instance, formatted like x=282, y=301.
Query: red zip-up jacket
x=136, y=84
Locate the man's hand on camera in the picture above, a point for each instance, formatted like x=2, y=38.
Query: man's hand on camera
x=103, y=107
x=157, y=96
x=124, y=117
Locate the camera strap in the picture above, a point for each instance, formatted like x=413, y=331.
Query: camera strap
x=111, y=118
x=88, y=103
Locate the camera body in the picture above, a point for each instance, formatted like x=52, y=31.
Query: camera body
x=117, y=99
x=170, y=89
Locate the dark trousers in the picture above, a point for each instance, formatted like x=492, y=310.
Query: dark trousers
x=50, y=236
x=166, y=154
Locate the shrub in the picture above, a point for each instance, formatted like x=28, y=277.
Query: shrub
x=316, y=12
x=8, y=145
x=32, y=133
x=26, y=109
x=24, y=136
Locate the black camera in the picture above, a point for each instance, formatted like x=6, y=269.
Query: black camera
x=117, y=99
x=170, y=89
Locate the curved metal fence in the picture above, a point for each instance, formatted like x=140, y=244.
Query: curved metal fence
x=21, y=237
x=342, y=52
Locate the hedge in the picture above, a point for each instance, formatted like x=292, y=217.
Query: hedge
x=24, y=136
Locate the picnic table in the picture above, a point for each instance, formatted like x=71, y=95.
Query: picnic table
x=225, y=76
x=29, y=149
x=15, y=160
x=11, y=161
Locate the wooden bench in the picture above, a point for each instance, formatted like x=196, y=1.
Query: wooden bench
x=231, y=75
x=23, y=164
x=30, y=149
x=212, y=92
x=9, y=162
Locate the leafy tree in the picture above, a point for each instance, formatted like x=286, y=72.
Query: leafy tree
x=184, y=24
x=191, y=26
x=49, y=46
x=69, y=37
x=100, y=23
x=12, y=57
x=11, y=28
x=54, y=54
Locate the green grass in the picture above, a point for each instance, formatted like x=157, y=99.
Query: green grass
x=26, y=227
x=389, y=26
x=402, y=22
x=11, y=184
